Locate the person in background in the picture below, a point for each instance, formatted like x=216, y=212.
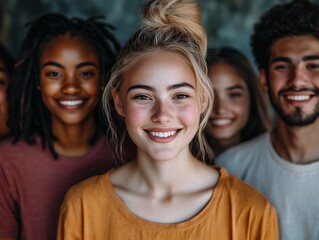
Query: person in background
x=58, y=137
x=163, y=99
x=240, y=110
x=6, y=71
x=284, y=163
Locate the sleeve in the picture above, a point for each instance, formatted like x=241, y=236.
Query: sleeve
x=271, y=231
x=70, y=222
x=9, y=211
x=263, y=225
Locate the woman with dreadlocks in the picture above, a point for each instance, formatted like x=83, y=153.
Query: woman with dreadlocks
x=6, y=70
x=57, y=139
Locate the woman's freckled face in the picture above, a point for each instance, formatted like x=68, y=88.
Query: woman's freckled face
x=159, y=103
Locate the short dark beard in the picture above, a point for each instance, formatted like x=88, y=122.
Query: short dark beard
x=296, y=118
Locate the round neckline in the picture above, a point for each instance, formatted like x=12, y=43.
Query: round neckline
x=287, y=165
x=149, y=225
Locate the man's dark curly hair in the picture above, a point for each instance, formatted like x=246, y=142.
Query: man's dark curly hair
x=296, y=18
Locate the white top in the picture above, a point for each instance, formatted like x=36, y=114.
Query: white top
x=293, y=189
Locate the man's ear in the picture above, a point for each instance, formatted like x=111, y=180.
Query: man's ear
x=117, y=102
x=263, y=80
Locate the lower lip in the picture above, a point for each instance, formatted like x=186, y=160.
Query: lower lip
x=162, y=140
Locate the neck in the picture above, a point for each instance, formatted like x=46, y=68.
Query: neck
x=220, y=145
x=296, y=144
x=161, y=177
x=73, y=140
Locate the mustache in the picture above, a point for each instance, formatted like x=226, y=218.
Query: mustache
x=315, y=91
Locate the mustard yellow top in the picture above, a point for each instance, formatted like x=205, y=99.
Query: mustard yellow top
x=92, y=211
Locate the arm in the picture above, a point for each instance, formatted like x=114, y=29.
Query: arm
x=8, y=207
x=272, y=231
x=70, y=219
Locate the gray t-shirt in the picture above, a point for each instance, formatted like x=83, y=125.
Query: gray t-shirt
x=293, y=189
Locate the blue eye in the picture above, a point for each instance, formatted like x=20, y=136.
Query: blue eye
x=142, y=97
x=181, y=96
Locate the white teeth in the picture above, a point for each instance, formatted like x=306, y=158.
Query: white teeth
x=71, y=102
x=162, y=134
x=221, y=122
x=298, y=97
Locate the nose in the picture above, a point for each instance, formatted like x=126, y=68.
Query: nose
x=299, y=77
x=220, y=105
x=71, y=85
x=162, y=112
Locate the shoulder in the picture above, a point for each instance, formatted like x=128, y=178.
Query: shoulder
x=243, y=151
x=88, y=186
x=10, y=151
x=20, y=151
x=245, y=197
x=247, y=209
x=88, y=190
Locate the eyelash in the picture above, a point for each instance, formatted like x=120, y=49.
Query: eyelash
x=235, y=95
x=142, y=97
x=181, y=96
x=176, y=97
x=87, y=74
x=54, y=74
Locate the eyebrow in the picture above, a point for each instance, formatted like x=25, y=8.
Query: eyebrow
x=286, y=59
x=311, y=57
x=237, y=86
x=180, y=85
x=281, y=59
x=83, y=64
x=171, y=87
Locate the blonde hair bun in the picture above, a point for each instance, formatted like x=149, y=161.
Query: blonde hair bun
x=180, y=15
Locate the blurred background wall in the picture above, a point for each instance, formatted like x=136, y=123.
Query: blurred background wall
x=227, y=22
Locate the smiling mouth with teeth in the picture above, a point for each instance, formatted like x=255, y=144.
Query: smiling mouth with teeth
x=298, y=97
x=162, y=134
x=221, y=122
x=71, y=102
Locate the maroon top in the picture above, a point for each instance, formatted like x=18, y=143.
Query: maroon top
x=33, y=184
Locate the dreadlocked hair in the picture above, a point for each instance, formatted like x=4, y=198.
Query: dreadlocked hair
x=7, y=61
x=296, y=18
x=28, y=116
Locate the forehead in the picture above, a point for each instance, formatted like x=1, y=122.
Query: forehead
x=67, y=46
x=295, y=47
x=160, y=68
x=223, y=75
